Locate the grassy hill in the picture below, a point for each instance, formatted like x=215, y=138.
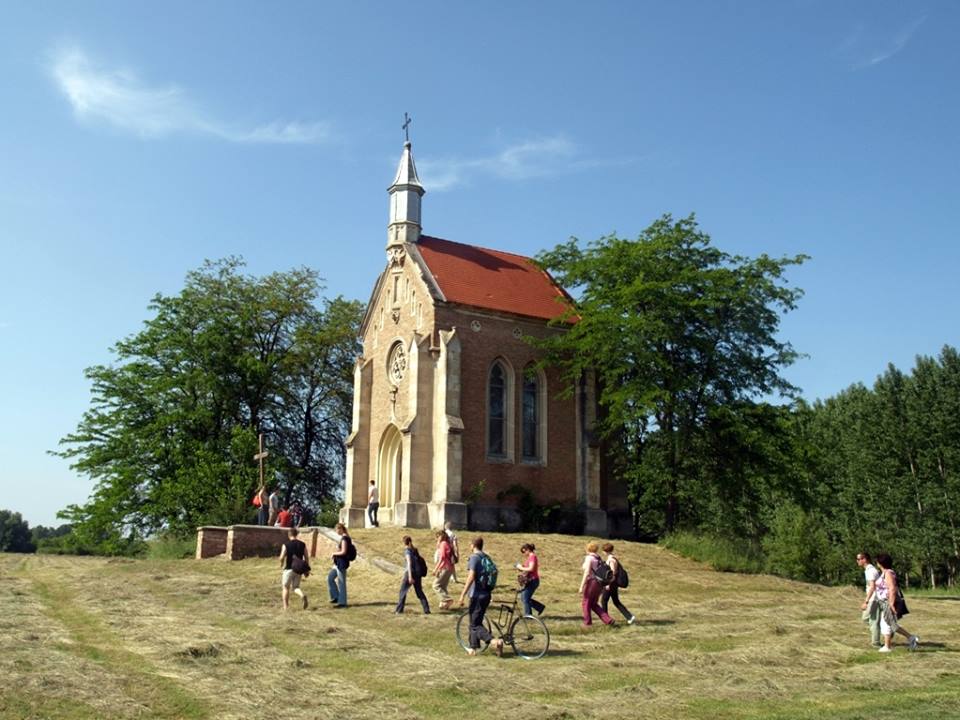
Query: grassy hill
x=119, y=638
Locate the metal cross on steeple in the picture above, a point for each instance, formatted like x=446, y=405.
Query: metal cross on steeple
x=406, y=124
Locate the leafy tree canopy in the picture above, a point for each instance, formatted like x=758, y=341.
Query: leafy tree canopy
x=173, y=423
x=674, y=329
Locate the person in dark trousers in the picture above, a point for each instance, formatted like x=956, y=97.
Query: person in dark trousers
x=337, y=577
x=290, y=580
x=612, y=591
x=263, y=509
x=373, y=504
x=531, y=568
x=479, y=601
x=411, y=577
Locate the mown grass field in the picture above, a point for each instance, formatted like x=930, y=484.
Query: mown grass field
x=118, y=638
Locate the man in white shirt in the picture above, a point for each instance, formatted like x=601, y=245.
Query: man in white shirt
x=870, y=605
x=373, y=504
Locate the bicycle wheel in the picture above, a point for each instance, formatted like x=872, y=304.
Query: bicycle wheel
x=463, y=632
x=529, y=637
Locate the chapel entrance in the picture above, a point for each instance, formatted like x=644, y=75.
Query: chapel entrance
x=389, y=470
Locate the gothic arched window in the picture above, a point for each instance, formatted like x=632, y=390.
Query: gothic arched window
x=497, y=412
x=530, y=419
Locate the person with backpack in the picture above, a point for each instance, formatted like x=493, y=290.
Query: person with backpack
x=530, y=572
x=892, y=606
x=414, y=569
x=596, y=575
x=337, y=577
x=612, y=590
x=481, y=579
x=294, y=566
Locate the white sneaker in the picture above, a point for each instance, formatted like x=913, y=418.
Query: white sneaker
x=885, y=649
x=913, y=643
x=632, y=620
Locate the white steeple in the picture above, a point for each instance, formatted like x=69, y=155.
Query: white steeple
x=405, y=194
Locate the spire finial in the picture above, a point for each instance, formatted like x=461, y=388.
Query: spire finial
x=406, y=125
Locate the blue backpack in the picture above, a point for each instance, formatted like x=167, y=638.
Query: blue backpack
x=487, y=575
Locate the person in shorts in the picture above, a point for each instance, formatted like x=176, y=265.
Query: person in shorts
x=289, y=579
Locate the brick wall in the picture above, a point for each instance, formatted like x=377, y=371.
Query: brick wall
x=553, y=481
x=211, y=541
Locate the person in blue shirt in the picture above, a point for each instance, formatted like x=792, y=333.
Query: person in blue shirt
x=479, y=602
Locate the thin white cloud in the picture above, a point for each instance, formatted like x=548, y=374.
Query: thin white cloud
x=866, y=48
x=119, y=98
x=539, y=157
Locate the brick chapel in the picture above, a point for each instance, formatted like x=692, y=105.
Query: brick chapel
x=447, y=409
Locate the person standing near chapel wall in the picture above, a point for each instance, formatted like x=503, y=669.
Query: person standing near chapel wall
x=337, y=577
x=871, y=604
x=373, y=504
x=443, y=570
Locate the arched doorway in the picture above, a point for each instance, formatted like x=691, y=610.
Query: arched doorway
x=389, y=470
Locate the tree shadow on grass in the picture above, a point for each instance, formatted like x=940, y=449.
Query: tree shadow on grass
x=948, y=598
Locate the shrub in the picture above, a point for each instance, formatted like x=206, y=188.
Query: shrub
x=724, y=554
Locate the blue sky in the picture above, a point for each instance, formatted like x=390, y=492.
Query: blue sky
x=137, y=140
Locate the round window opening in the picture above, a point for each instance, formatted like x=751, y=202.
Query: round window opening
x=397, y=363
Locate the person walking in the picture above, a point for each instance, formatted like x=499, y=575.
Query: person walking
x=263, y=510
x=290, y=577
x=273, y=507
x=590, y=588
x=411, y=577
x=480, y=593
x=454, y=547
x=373, y=504
x=870, y=607
x=337, y=577
x=887, y=590
x=443, y=570
x=612, y=590
x=530, y=566
x=285, y=518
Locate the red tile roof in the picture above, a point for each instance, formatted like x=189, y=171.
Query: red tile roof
x=492, y=279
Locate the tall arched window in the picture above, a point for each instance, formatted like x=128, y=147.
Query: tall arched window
x=530, y=421
x=497, y=412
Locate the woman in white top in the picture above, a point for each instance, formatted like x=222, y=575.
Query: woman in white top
x=886, y=591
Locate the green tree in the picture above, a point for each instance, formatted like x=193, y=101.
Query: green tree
x=14, y=533
x=173, y=425
x=673, y=328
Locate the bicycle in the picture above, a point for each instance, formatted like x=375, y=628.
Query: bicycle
x=527, y=635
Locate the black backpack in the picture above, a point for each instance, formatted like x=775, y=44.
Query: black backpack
x=623, y=579
x=300, y=565
x=418, y=565
x=602, y=573
x=351, y=549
